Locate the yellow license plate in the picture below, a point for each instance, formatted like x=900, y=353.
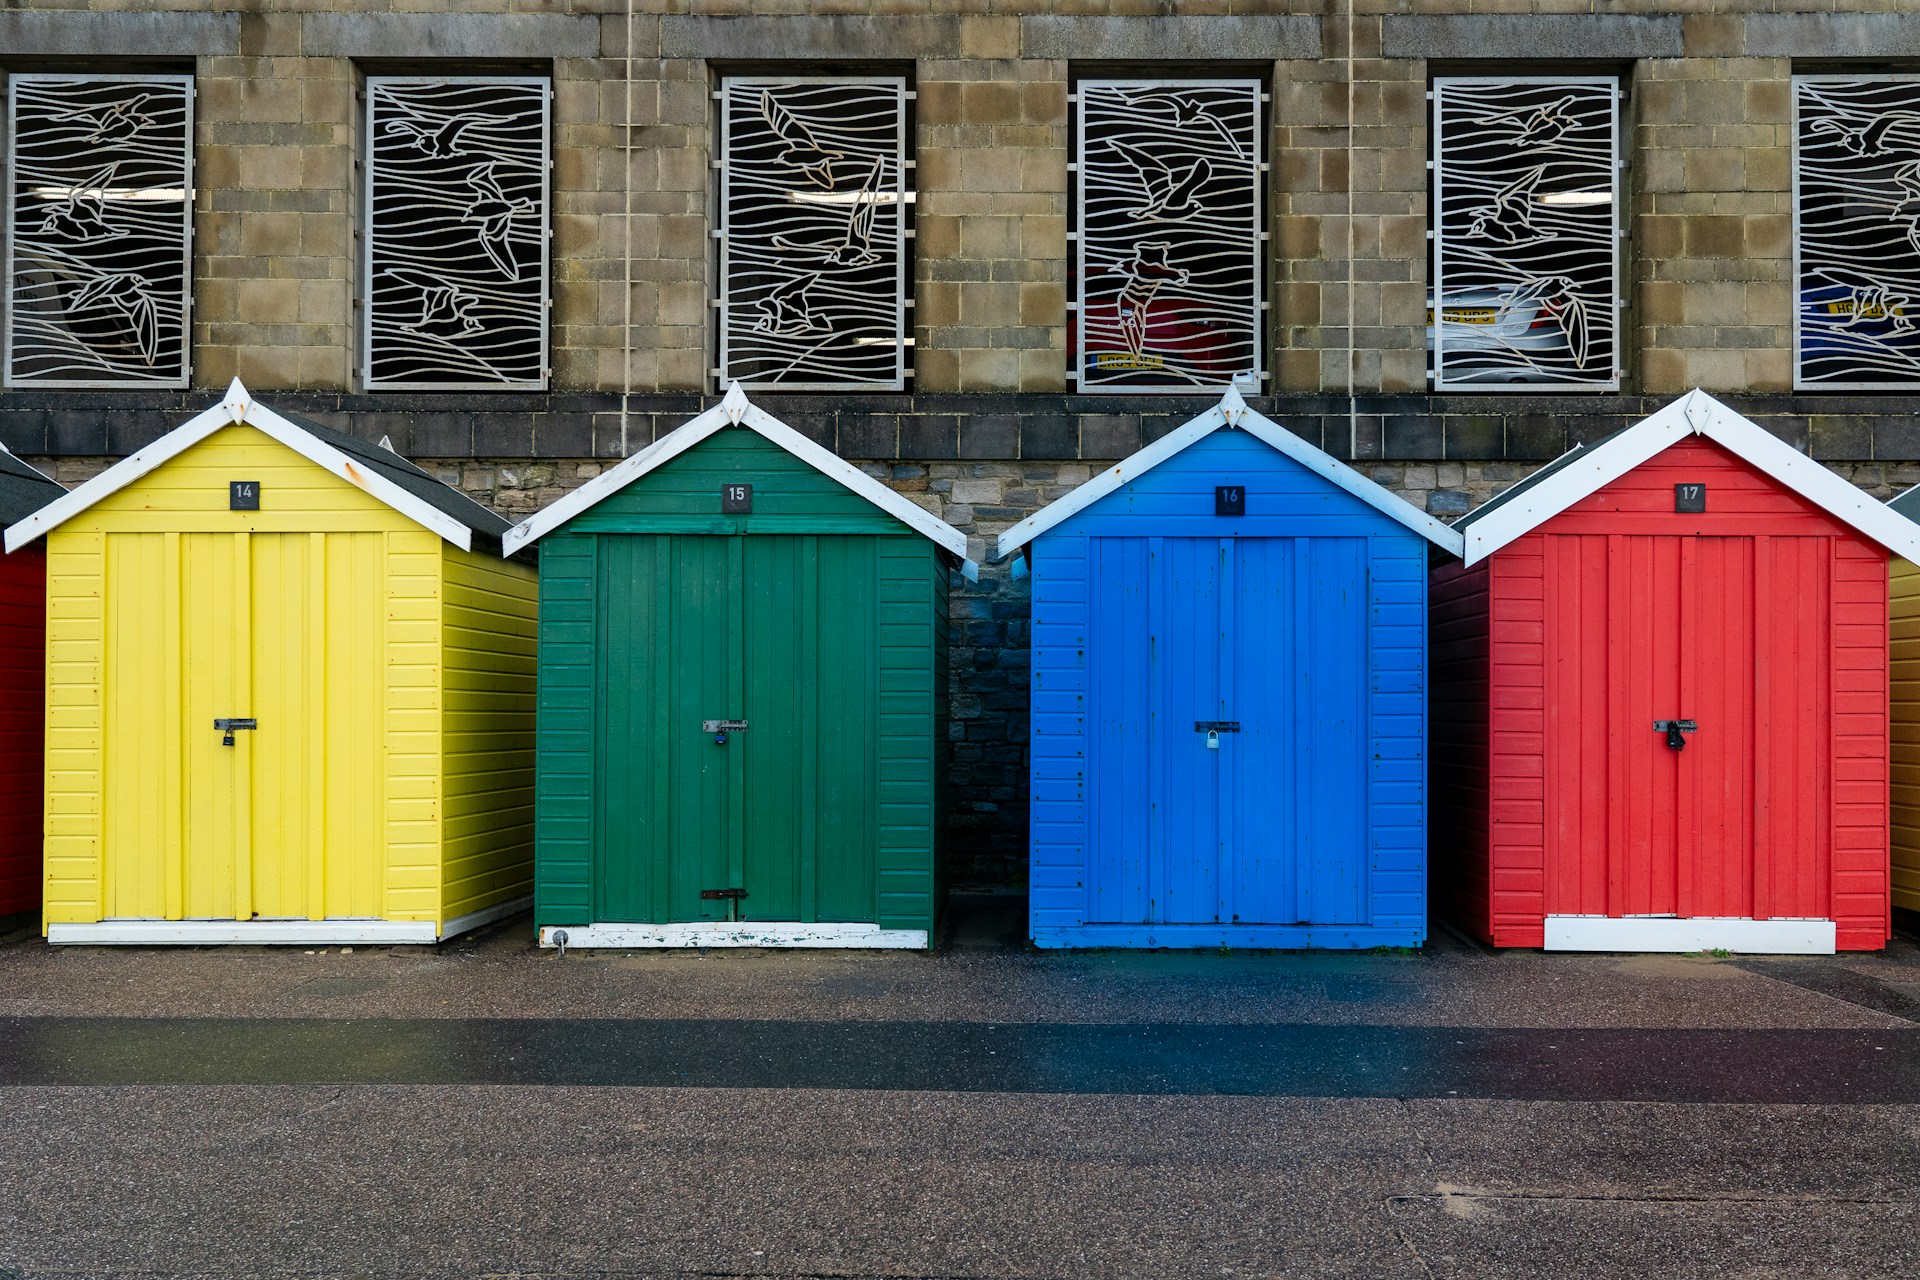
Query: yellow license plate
x=1471, y=315
x=1114, y=360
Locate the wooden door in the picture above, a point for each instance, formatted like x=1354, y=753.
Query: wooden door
x=278, y=628
x=1267, y=635
x=1727, y=632
x=784, y=633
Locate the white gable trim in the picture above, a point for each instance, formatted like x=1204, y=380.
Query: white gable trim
x=1232, y=411
x=238, y=408
x=736, y=410
x=1696, y=413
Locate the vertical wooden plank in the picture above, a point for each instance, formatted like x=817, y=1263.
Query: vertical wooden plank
x=242, y=775
x=1226, y=791
x=173, y=730
x=1764, y=612
x=809, y=713
x=1686, y=801
x=323, y=762
x=1619, y=643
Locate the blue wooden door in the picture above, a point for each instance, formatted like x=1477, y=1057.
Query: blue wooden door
x=1268, y=827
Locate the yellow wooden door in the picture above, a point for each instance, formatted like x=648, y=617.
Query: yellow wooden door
x=283, y=629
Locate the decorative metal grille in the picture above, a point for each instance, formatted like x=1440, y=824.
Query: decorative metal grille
x=1168, y=242
x=99, y=237
x=1856, y=181
x=1526, y=256
x=813, y=257
x=456, y=233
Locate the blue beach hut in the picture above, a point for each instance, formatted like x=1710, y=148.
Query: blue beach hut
x=1229, y=698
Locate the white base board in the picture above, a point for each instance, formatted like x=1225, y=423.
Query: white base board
x=744, y=934
x=275, y=933
x=1695, y=933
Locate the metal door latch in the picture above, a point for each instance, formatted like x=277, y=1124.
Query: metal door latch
x=721, y=728
x=1213, y=729
x=714, y=894
x=227, y=727
x=1673, y=729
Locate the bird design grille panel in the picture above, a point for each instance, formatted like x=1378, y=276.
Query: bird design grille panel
x=100, y=180
x=1169, y=244
x=813, y=264
x=1526, y=279
x=1857, y=232
x=456, y=234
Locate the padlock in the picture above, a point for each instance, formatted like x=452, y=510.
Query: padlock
x=1213, y=739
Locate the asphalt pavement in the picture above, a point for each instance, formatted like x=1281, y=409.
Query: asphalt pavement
x=486, y=1109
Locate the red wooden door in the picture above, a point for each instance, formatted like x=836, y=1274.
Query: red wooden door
x=1731, y=633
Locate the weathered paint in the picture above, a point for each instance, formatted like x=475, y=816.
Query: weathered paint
x=818, y=619
x=1764, y=620
x=336, y=622
x=1305, y=622
x=23, y=631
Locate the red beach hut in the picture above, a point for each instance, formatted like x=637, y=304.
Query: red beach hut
x=1660, y=699
x=23, y=662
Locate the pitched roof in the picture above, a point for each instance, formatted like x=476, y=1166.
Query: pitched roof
x=377, y=472
x=1908, y=503
x=734, y=410
x=23, y=489
x=1584, y=470
x=1232, y=411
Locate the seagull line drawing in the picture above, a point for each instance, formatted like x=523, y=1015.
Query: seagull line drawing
x=1508, y=217
x=1870, y=139
x=1543, y=127
x=128, y=294
x=495, y=214
x=1146, y=271
x=856, y=248
x=1169, y=198
x=801, y=151
x=784, y=312
x=115, y=122
x=1874, y=299
x=440, y=141
x=1187, y=111
x=1907, y=178
x=1569, y=310
x=80, y=216
x=440, y=303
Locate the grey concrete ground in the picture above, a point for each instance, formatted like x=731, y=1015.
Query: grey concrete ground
x=435, y=1180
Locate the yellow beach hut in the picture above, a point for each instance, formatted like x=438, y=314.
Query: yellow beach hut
x=290, y=695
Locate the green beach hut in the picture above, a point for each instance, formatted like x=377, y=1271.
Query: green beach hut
x=742, y=697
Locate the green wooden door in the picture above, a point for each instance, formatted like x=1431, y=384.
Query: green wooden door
x=784, y=633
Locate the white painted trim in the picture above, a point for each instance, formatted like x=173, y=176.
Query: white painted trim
x=1694, y=933
x=237, y=408
x=1232, y=411
x=736, y=410
x=1696, y=413
x=486, y=915
x=745, y=934
x=259, y=933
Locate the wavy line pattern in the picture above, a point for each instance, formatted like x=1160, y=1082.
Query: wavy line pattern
x=456, y=233
x=101, y=170
x=813, y=248
x=1169, y=246
x=1526, y=263
x=1857, y=169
